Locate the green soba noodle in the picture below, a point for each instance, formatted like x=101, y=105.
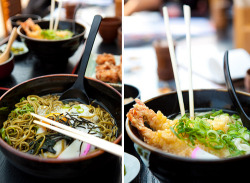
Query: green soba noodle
x=20, y=132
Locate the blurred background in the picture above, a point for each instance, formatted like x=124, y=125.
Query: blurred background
x=216, y=26
x=7, y=11
x=9, y=8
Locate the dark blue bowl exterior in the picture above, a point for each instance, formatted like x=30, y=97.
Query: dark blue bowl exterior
x=170, y=168
x=129, y=91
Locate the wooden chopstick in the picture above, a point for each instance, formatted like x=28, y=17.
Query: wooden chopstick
x=52, y=8
x=58, y=15
x=74, y=133
x=187, y=15
x=173, y=60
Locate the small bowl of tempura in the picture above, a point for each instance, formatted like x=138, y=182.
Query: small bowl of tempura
x=205, y=148
x=51, y=45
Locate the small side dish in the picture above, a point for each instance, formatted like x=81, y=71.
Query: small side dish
x=17, y=48
x=107, y=70
x=131, y=167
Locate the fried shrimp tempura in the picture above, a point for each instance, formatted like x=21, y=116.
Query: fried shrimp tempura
x=105, y=57
x=107, y=72
x=160, y=135
x=31, y=29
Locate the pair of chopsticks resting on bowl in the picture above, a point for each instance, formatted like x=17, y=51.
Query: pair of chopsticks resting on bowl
x=76, y=134
x=52, y=8
x=187, y=15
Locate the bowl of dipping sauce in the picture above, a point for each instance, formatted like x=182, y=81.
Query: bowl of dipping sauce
x=7, y=67
x=109, y=29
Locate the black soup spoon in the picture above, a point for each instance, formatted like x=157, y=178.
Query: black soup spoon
x=77, y=91
x=244, y=117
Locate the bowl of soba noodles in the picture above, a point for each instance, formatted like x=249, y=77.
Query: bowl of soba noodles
x=44, y=152
x=49, y=44
x=213, y=146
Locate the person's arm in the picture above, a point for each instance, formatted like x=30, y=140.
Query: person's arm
x=141, y=5
x=40, y=7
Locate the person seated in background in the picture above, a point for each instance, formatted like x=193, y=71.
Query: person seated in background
x=199, y=7
x=41, y=7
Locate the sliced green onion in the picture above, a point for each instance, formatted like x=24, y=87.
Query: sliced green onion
x=22, y=99
x=2, y=132
x=217, y=113
x=235, y=116
x=33, y=98
x=199, y=130
x=174, y=132
x=212, y=134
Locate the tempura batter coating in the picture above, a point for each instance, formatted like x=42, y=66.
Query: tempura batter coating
x=161, y=136
x=31, y=29
x=105, y=57
x=107, y=72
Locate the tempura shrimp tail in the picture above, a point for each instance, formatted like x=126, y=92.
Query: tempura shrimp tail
x=31, y=29
x=137, y=117
x=137, y=121
x=161, y=137
x=156, y=121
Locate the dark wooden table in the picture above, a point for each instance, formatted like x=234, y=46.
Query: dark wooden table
x=27, y=67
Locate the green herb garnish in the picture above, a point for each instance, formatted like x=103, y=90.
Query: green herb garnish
x=21, y=110
x=200, y=130
x=79, y=109
x=52, y=35
x=3, y=108
x=4, y=136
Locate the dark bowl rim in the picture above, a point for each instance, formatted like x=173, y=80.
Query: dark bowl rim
x=18, y=153
x=52, y=41
x=10, y=59
x=173, y=156
x=139, y=93
x=25, y=15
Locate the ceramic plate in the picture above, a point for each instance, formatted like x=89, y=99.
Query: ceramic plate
x=90, y=71
x=132, y=166
x=17, y=44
